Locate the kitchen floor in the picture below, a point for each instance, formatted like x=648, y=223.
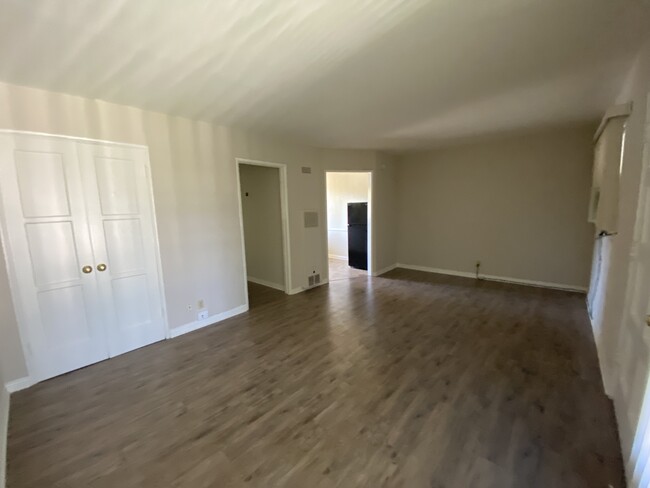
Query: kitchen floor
x=339, y=270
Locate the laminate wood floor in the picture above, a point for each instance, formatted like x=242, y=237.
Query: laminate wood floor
x=407, y=380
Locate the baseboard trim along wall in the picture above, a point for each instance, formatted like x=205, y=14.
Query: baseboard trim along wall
x=4, y=431
x=270, y=284
x=213, y=319
x=300, y=289
x=19, y=384
x=385, y=270
x=503, y=279
x=26, y=382
x=337, y=257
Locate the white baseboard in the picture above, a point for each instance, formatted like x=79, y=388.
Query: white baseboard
x=504, y=279
x=20, y=384
x=385, y=270
x=300, y=289
x=337, y=257
x=4, y=431
x=538, y=284
x=199, y=324
x=270, y=284
x=428, y=269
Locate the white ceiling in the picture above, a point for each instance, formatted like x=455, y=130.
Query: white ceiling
x=391, y=74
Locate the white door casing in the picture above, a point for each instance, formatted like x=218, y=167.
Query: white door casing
x=69, y=204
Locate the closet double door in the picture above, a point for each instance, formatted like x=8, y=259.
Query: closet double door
x=81, y=249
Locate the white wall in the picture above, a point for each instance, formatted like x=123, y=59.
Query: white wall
x=516, y=203
x=343, y=188
x=196, y=198
x=262, y=215
x=624, y=355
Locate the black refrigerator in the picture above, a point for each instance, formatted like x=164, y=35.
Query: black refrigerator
x=358, y=235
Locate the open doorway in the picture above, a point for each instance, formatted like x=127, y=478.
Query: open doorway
x=264, y=218
x=349, y=224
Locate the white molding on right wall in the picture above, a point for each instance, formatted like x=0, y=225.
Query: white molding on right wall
x=503, y=279
x=385, y=270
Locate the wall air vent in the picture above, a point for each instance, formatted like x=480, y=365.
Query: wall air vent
x=313, y=280
x=306, y=170
x=311, y=219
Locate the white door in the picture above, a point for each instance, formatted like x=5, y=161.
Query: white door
x=81, y=249
x=48, y=245
x=122, y=228
x=637, y=316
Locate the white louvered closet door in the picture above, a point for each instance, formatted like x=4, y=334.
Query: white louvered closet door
x=81, y=250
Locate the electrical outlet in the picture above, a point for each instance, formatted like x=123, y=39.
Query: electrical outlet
x=203, y=314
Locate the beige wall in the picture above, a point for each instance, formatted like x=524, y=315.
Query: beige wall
x=262, y=219
x=518, y=204
x=343, y=188
x=195, y=192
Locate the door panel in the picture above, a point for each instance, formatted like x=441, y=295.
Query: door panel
x=64, y=317
x=116, y=180
x=41, y=183
x=46, y=235
x=131, y=298
x=53, y=249
x=122, y=227
x=124, y=246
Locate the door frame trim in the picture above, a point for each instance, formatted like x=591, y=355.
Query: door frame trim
x=74, y=138
x=284, y=212
x=371, y=217
x=7, y=252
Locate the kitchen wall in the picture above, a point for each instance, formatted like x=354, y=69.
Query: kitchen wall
x=518, y=204
x=343, y=188
x=195, y=192
x=262, y=218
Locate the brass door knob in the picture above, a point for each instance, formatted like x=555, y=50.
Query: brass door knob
x=101, y=267
x=87, y=269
